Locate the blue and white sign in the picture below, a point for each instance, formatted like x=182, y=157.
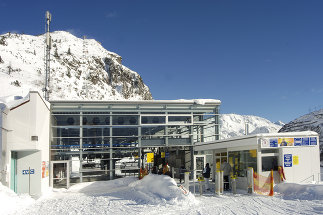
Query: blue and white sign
x=313, y=141
x=274, y=142
x=297, y=141
x=167, y=155
x=305, y=141
x=288, y=160
x=26, y=171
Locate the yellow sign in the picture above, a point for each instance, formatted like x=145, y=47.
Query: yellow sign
x=253, y=153
x=162, y=154
x=150, y=157
x=285, y=141
x=295, y=160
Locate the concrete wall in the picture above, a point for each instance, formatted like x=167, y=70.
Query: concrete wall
x=31, y=118
x=4, y=175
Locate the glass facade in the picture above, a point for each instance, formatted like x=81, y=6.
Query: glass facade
x=95, y=136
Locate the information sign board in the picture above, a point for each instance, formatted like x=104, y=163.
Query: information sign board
x=313, y=141
x=288, y=160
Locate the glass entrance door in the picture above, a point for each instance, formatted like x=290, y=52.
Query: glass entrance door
x=60, y=174
x=199, y=164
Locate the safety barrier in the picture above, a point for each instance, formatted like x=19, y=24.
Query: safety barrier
x=264, y=185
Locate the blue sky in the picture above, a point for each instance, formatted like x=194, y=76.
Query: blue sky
x=258, y=57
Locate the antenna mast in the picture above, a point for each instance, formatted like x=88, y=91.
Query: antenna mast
x=48, y=42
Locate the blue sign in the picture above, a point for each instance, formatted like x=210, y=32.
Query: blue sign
x=273, y=142
x=26, y=172
x=305, y=141
x=313, y=141
x=166, y=154
x=288, y=160
x=297, y=141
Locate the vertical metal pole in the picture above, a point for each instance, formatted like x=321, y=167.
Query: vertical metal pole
x=221, y=182
x=111, y=149
x=29, y=181
x=186, y=180
x=47, y=57
x=234, y=185
x=81, y=147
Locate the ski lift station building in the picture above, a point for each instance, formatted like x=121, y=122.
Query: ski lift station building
x=296, y=152
x=64, y=142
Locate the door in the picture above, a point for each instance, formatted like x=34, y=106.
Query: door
x=60, y=174
x=199, y=164
x=13, y=172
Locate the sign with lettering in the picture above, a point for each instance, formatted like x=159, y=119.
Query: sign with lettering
x=305, y=141
x=288, y=160
x=313, y=141
x=274, y=142
x=26, y=171
x=287, y=142
x=295, y=160
x=297, y=141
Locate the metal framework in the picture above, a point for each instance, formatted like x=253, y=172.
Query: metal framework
x=96, y=135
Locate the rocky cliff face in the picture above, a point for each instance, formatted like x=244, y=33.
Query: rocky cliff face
x=81, y=69
x=309, y=122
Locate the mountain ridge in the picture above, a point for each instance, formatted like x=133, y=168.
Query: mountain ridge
x=81, y=69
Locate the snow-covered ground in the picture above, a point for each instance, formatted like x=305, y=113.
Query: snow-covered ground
x=157, y=194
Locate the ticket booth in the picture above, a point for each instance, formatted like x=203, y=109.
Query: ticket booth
x=295, y=154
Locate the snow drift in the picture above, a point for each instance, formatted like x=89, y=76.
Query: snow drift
x=300, y=191
x=157, y=189
x=10, y=201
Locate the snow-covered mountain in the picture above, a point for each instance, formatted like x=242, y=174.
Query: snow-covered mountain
x=80, y=69
x=309, y=122
x=234, y=125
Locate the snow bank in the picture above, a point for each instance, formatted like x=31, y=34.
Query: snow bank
x=157, y=189
x=300, y=191
x=10, y=201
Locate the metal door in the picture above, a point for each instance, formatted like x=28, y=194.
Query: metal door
x=13, y=172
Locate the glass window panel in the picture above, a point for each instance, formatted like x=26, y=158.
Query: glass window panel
x=153, y=130
x=125, y=141
x=179, y=131
x=153, y=119
x=125, y=131
x=96, y=120
x=65, y=143
x=96, y=132
x=66, y=132
x=125, y=120
x=269, y=163
x=241, y=160
x=64, y=120
x=179, y=119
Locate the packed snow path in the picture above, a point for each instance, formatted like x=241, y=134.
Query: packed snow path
x=130, y=196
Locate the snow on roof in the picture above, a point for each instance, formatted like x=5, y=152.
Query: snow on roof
x=178, y=101
x=12, y=102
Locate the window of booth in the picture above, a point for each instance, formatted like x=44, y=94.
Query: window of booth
x=240, y=161
x=269, y=163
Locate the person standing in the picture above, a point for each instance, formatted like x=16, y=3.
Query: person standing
x=226, y=168
x=206, y=175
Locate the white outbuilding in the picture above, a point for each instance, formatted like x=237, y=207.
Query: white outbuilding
x=24, y=144
x=297, y=153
